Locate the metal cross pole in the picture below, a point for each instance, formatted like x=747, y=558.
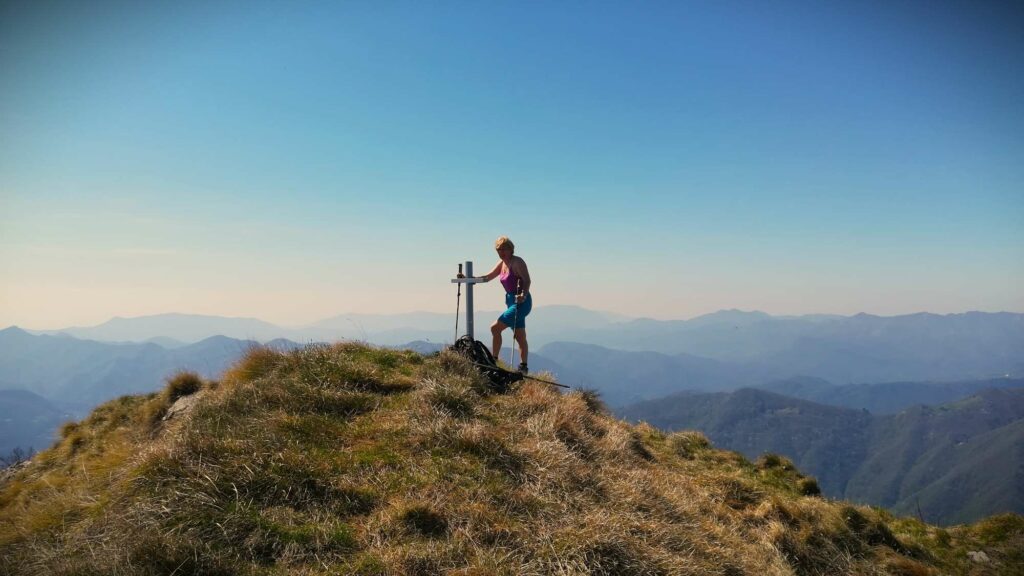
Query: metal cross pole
x=468, y=281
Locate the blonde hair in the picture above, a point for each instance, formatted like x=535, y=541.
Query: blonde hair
x=504, y=242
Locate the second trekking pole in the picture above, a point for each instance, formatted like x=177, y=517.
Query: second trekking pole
x=512, y=356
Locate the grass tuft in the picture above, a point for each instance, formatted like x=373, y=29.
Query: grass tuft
x=808, y=486
x=68, y=428
x=592, y=398
x=688, y=443
x=182, y=384
x=999, y=528
x=871, y=529
x=259, y=362
x=769, y=461
x=901, y=566
x=453, y=396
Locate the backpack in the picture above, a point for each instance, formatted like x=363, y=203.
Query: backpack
x=501, y=380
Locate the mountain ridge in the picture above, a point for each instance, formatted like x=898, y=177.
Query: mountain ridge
x=908, y=461
x=350, y=459
x=855, y=349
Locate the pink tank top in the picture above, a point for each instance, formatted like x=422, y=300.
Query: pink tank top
x=509, y=280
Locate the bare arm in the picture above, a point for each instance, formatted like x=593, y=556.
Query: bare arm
x=493, y=273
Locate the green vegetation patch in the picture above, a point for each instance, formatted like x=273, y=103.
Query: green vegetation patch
x=999, y=529
x=872, y=530
x=495, y=453
x=808, y=486
x=455, y=398
x=780, y=472
x=313, y=429
x=366, y=564
x=354, y=367
x=376, y=456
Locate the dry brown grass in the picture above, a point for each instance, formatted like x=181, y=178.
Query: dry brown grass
x=346, y=459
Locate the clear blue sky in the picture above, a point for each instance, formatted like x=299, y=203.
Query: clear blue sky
x=296, y=160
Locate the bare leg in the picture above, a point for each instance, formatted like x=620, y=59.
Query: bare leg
x=520, y=336
x=496, y=329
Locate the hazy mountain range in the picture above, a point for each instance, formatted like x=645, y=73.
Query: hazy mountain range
x=840, y=349
x=885, y=397
x=798, y=356
x=46, y=380
x=546, y=323
x=955, y=463
x=28, y=421
x=83, y=373
x=850, y=348
x=921, y=359
x=861, y=348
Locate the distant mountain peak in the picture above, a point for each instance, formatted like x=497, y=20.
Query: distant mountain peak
x=730, y=316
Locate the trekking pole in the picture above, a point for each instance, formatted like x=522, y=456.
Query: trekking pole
x=458, y=300
x=512, y=356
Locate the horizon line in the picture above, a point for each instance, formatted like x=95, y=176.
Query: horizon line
x=625, y=317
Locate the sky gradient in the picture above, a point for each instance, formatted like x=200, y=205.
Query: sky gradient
x=294, y=161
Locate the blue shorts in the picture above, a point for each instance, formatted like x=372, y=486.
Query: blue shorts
x=516, y=313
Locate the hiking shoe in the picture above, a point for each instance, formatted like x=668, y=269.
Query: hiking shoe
x=522, y=368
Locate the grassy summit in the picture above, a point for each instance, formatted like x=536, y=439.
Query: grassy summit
x=348, y=459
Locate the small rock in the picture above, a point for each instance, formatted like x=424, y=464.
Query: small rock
x=9, y=472
x=183, y=405
x=978, y=556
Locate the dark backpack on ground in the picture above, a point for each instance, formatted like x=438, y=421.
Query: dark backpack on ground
x=501, y=380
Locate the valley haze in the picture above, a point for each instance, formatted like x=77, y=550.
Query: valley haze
x=637, y=359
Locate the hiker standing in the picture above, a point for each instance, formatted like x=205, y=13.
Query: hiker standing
x=511, y=271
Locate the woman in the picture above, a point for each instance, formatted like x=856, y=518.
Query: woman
x=511, y=271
